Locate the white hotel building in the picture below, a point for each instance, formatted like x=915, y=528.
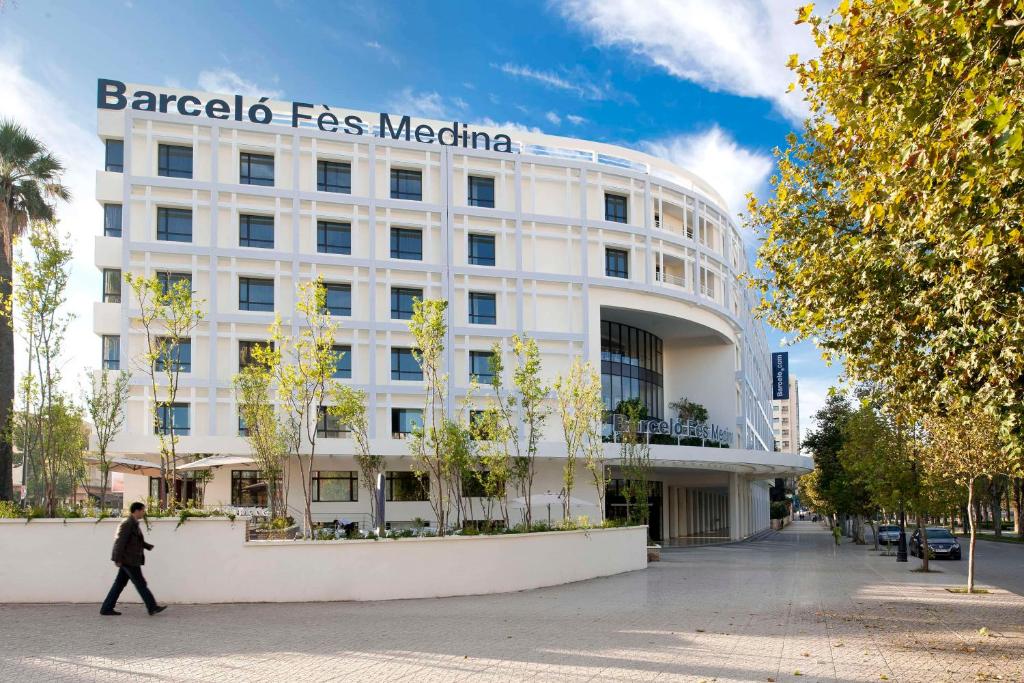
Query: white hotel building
x=593, y=250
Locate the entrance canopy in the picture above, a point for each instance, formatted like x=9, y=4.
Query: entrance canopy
x=217, y=461
x=761, y=464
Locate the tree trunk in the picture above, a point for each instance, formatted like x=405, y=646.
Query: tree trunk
x=974, y=535
x=924, y=543
x=995, y=489
x=6, y=384
x=1018, y=505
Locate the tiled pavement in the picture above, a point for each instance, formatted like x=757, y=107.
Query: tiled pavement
x=787, y=607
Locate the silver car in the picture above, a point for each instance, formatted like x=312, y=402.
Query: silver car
x=888, y=533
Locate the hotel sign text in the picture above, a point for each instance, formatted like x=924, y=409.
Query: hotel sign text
x=112, y=94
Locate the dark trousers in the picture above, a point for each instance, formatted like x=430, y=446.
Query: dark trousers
x=126, y=574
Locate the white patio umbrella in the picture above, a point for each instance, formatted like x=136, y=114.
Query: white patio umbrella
x=217, y=461
x=131, y=466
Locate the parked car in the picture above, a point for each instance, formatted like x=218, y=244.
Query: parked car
x=941, y=543
x=888, y=533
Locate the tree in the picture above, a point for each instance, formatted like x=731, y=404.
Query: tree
x=30, y=182
x=305, y=383
x=962, y=446
x=580, y=406
x=168, y=315
x=497, y=436
x=893, y=236
x=688, y=411
x=440, y=445
x=830, y=488
x=39, y=298
x=635, y=462
x=53, y=456
x=104, y=404
x=349, y=407
x=533, y=412
x=265, y=433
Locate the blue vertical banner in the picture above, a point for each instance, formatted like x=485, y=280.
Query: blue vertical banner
x=780, y=375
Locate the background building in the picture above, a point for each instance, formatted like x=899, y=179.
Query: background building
x=786, y=419
x=593, y=250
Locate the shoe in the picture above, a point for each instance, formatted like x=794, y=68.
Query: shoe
x=111, y=613
x=157, y=610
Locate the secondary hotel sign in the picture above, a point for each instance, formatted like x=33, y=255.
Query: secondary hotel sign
x=112, y=94
x=780, y=375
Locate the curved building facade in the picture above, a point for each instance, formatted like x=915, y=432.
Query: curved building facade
x=593, y=250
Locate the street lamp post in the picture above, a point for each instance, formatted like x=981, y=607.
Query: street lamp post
x=901, y=545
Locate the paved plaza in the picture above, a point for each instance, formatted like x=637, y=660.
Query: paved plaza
x=788, y=607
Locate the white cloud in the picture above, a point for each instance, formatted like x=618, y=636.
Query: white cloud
x=575, y=119
x=714, y=156
x=373, y=44
x=509, y=125
x=42, y=108
x=736, y=46
x=576, y=81
x=460, y=103
x=224, y=80
x=429, y=105
x=553, y=117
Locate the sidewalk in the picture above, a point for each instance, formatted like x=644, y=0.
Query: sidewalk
x=789, y=607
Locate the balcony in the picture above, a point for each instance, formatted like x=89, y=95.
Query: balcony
x=671, y=271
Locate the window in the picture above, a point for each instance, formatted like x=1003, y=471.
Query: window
x=335, y=487
x=173, y=356
x=333, y=176
x=173, y=417
x=174, y=161
x=402, y=300
x=614, y=208
x=174, y=225
x=333, y=238
x=407, y=243
x=339, y=299
x=255, y=294
x=111, y=285
x=404, y=421
x=481, y=250
x=481, y=191
x=256, y=231
x=616, y=263
x=245, y=489
x=112, y=220
x=169, y=280
x=405, y=487
x=404, y=365
x=111, y=352
x=482, y=308
x=480, y=366
x=115, y=156
x=472, y=485
x=243, y=429
x=329, y=426
x=406, y=184
x=631, y=368
x=342, y=362
x=256, y=169
x=246, y=352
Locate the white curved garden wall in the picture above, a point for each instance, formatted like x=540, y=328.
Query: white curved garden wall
x=208, y=561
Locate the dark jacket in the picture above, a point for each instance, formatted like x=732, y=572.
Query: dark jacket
x=129, y=544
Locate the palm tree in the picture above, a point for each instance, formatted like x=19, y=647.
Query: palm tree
x=29, y=183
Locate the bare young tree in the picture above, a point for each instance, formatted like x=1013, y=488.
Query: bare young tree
x=579, y=406
x=265, y=433
x=105, y=400
x=168, y=315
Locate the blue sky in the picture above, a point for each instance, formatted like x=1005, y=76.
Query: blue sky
x=700, y=82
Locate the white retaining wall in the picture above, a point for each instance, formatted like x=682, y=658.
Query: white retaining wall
x=208, y=561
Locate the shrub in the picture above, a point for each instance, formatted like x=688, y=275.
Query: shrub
x=780, y=510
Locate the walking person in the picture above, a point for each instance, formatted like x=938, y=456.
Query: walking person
x=129, y=556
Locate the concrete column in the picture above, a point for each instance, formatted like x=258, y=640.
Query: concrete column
x=722, y=512
x=691, y=513
x=734, y=506
x=681, y=510
x=673, y=512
